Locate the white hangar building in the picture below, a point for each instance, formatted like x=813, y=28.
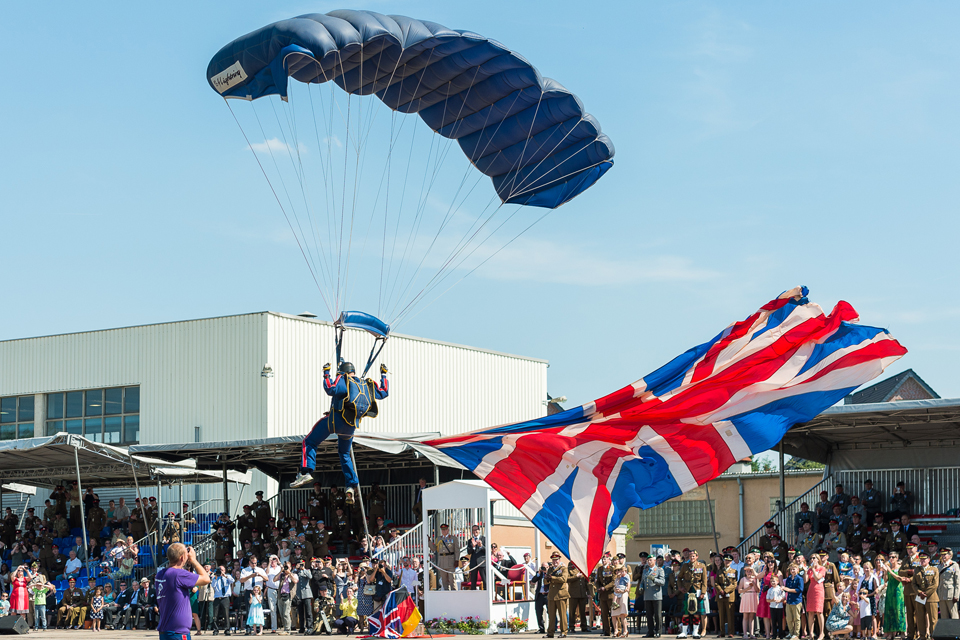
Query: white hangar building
x=249, y=376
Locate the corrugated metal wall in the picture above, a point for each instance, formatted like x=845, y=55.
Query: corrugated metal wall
x=434, y=386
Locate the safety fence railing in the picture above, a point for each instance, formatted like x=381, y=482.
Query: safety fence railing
x=935, y=490
x=409, y=545
x=784, y=518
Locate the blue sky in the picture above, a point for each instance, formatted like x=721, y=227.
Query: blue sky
x=759, y=146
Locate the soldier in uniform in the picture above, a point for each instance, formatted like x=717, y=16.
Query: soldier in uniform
x=605, y=583
x=909, y=594
x=337, y=499
x=96, y=519
x=321, y=540
x=303, y=523
x=223, y=542
x=824, y=511
x=949, y=590
x=381, y=529
x=377, y=499
x=246, y=523
x=31, y=521
x=317, y=502
x=261, y=511
x=856, y=532
x=224, y=521
x=867, y=554
x=59, y=497
x=870, y=498
x=834, y=540
x=896, y=541
x=765, y=542
x=840, y=498
x=726, y=594
x=308, y=551
x=447, y=550
x=779, y=549
x=257, y=544
x=137, y=527
x=49, y=511
x=804, y=515
x=73, y=495
x=926, y=579
x=71, y=605
x=152, y=514
x=879, y=532
x=557, y=597
x=341, y=529
x=693, y=579
x=61, y=527
x=578, y=588
x=808, y=541
x=831, y=583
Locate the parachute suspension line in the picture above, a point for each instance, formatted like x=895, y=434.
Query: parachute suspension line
x=282, y=209
x=373, y=113
x=526, y=142
x=452, y=210
x=327, y=192
x=516, y=189
x=304, y=189
x=485, y=260
x=301, y=239
x=343, y=192
x=406, y=177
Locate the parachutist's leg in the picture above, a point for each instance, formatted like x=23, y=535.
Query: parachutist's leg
x=344, y=444
x=308, y=456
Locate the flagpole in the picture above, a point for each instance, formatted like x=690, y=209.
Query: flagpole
x=713, y=523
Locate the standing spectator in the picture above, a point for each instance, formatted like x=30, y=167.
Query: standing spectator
x=776, y=599
x=804, y=515
x=19, y=596
x=824, y=512
x=39, y=593
x=175, y=584
x=418, y=499
x=558, y=596
x=949, y=589
x=840, y=497
x=793, y=586
x=447, y=549
x=221, y=584
x=255, y=612
x=901, y=502
x=816, y=575
x=304, y=597
x=870, y=498
x=542, y=586
x=4, y=604
x=749, y=597
x=252, y=576
x=287, y=589
x=96, y=608
x=205, y=600
x=121, y=515
x=408, y=578
x=908, y=530
x=651, y=583
x=578, y=587
x=477, y=547
x=273, y=571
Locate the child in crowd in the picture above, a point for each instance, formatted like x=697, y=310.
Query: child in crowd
x=866, y=615
x=5, y=604
x=96, y=609
x=776, y=598
x=255, y=615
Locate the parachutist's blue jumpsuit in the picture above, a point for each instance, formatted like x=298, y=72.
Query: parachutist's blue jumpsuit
x=350, y=403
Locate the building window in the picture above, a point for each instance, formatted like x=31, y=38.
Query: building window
x=775, y=507
x=101, y=415
x=675, y=518
x=16, y=417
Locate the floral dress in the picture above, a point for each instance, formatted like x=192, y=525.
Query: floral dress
x=95, y=604
x=364, y=602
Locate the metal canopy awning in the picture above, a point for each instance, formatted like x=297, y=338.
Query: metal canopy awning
x=882, y=425
x=50, y=460
x=282, y=454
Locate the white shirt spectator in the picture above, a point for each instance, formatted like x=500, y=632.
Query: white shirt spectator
x=73, y=566
x=258, y=578
x=121, y=513
x=408, y=578
x=272, y=574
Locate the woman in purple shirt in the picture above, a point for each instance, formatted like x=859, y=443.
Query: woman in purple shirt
x=174, y=584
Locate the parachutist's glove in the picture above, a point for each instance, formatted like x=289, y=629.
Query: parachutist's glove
x=326, y=369
x=383, y=369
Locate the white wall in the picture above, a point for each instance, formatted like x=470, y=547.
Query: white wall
x=434, y=386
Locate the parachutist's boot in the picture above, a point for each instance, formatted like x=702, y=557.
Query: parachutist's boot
x=302, y=478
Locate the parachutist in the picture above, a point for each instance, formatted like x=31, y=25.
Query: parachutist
x=354, y=398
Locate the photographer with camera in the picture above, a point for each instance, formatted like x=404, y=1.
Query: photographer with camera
x=286, y=590
x=383, y=578
x=221, y=583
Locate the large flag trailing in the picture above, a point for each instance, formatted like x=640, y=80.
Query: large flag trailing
x=397, y=618
x=576, y=473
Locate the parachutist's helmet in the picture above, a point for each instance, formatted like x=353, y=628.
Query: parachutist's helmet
x=346, y=367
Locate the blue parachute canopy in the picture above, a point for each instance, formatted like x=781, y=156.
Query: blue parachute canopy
x=365, y=321
x=528, y=133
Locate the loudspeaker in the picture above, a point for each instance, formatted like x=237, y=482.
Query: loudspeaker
x=945, y=630
x=10, y=625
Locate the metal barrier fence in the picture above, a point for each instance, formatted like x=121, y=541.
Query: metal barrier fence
x=784, y=518
x=398, y=507
x=935, y=491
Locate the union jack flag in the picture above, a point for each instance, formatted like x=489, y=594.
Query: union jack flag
x=576, y=473
x=397, y=618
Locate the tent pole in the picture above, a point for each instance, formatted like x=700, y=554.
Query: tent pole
x=83, y=516
x=359, y=497
x=183, y=519
x=713, y=523
x=143, y=513
x=226, y=500
x=783, y=487
x=159, y=519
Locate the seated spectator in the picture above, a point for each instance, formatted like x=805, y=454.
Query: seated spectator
x=109, y=605
x=72, y=567
x=121, y=515
x=94, y=551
